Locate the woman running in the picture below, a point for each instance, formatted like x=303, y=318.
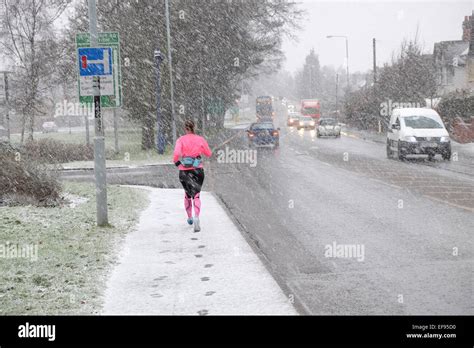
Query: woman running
x=187, y=157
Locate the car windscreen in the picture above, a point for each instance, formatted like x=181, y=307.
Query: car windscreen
x=306, y=118
x=262, y=126
x=327, y=122
x=421, y=122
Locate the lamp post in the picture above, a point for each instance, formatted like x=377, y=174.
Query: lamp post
x=160, y=140
x=347, y=54
x=170, y=65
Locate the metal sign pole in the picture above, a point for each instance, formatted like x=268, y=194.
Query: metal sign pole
x=99, y=139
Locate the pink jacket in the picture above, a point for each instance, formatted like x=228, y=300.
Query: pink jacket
x=190, y=145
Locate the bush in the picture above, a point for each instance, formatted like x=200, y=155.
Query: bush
x=53, y=151
x=456, y=105
x=25, y=181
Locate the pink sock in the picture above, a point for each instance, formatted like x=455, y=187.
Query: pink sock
x=197, y=205
x=188, y=205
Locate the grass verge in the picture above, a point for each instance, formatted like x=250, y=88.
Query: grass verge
x=73, y=254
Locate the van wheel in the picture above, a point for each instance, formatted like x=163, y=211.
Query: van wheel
x=389, y=150
x=447, y=155
x=401, y=156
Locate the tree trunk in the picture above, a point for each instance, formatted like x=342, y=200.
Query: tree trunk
x=31, y=126
x=23, y=122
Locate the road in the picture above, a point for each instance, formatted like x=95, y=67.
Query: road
x=411, y=221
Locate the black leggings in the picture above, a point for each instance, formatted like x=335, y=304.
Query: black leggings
x=192, y=181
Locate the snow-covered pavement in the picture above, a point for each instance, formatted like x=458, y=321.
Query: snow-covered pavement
x=165, y=268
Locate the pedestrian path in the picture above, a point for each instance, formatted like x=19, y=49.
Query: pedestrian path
x=165, y=268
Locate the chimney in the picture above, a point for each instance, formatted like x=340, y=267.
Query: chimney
x=466, y=28
x=471, y=36
x=470, y=61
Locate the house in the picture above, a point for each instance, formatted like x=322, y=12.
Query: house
x=451, y=60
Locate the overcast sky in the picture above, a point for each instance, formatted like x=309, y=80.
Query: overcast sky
x=388, y=21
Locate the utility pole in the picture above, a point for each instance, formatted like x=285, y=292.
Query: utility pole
x=347, y=62
x=347, y=55
x=375, y=84
x=99, y=138
x=337, y=87
x=375, y=61
x=7, y=106
x=160, y=143
x=170, y=64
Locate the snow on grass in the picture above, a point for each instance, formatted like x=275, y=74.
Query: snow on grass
x=73, y=254
x=163, y=159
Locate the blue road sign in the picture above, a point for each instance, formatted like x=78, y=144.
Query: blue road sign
x=95, y=61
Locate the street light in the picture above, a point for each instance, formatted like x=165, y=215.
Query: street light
x=160, y=142
x=347, y=54
x=170, y=65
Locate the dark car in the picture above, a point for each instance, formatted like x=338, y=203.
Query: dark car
x=263, y=134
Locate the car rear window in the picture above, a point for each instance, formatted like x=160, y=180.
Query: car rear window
x=262, y=126
x=327, y=122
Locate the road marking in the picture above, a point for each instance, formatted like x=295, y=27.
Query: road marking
x=449, y=203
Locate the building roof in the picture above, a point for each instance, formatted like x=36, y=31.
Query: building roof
x=445, y=52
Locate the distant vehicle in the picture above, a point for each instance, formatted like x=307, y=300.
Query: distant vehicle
x=306, y=122
x=292, y=118
x=49, y=127
x=328, y=127
x=264, y=108
x=311, y=107
x=263, y=134
x=417, y=131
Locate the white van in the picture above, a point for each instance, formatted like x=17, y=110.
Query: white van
x=417, y=131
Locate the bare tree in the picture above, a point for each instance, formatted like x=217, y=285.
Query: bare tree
x=28, y=39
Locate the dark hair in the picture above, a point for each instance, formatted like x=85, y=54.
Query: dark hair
x=189, y=126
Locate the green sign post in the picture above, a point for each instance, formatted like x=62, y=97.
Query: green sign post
x=111, y=40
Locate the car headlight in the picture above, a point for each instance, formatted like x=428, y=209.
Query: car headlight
x=444, y=139
x=311, y=123
x=410, y=139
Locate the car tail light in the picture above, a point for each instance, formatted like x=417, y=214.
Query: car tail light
x=275, y=133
